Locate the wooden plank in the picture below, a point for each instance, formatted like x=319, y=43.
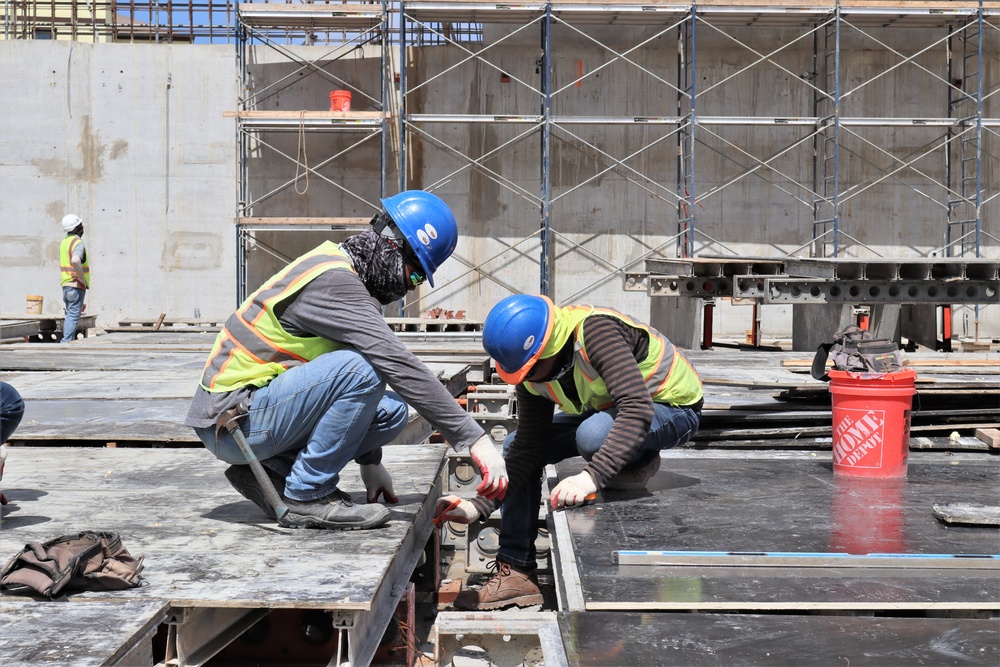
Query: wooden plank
x=311, y=115
x=990, y=436
x=916, y=363
x=331, y=223
x=968, y=513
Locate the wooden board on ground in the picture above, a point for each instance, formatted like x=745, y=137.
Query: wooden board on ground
x=968, y=513
x=990, y=436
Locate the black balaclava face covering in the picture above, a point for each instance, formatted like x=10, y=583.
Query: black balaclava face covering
x=379, y=265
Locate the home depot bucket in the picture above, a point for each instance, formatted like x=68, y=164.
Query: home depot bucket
x=33, y=305
x=871, y=422
x=340, y=100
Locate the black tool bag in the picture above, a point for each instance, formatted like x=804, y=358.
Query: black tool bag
x=854, y=349
x=88, y=561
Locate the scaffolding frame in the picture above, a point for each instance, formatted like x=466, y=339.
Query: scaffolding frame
x=145, y=21
x=334, y=31
x=831, y=133
x=685, y=120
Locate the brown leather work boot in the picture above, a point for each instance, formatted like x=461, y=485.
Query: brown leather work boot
x=632, y=478
x=506, y=588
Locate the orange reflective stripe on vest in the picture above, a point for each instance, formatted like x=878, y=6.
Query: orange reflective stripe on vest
x=66, y=273
x=253, y=348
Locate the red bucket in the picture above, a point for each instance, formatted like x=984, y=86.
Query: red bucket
x=340, y=100
x=871, y=422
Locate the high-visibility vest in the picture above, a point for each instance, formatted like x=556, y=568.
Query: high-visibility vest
x=66, y=249
x=669, y=377
x=253, y=348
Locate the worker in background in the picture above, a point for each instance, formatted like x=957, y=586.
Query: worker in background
x=75, y=272
x=308, y=356
x=625, y=393
x=11, y=411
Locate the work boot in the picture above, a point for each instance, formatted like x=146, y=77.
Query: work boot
x=506, y=588
x=242, y=479
x=335, y=511
x=635, y=476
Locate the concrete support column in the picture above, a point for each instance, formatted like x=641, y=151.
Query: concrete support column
x=813, y=325
x=678, y=318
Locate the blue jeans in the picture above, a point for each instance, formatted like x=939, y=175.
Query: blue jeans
x=73, y=298
x=11, y=410
x=579, y=435
x=313, y=419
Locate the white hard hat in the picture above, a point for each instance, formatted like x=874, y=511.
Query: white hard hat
x=71, y=222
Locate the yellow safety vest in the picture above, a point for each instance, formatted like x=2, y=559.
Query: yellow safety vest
x=253, y=348
x=66, y=249
x=669, y=377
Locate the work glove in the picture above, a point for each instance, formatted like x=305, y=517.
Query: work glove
x=453, y=508
x=572, y=491
x=491, y=467
x=377, y=482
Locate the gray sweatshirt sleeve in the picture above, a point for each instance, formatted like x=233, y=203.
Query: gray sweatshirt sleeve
x=336, y=306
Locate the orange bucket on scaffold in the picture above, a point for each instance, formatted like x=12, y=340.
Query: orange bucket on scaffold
x=871, y=422
x=340, y=100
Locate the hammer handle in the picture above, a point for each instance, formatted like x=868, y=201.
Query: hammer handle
x=270, y=493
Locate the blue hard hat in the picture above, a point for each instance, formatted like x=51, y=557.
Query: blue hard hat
x=428, y=225
x=515, y=333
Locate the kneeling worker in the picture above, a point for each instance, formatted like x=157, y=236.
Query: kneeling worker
x=305, y=362
x=625, y=393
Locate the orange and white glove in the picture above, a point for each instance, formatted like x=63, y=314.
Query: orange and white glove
x=491, y=468
x=378, y=482
x=572, y=491
x=453, y=508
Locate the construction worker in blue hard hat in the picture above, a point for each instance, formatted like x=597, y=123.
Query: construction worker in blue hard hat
x=305, y=362
x=624, y=393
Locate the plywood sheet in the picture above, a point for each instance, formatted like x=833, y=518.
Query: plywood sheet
x=790, y=503
x=747, y=640
x=81, y=635
x=204, y=544
x=136, y=387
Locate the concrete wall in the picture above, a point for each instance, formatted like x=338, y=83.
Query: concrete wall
x=99, y=132
x=132, y=139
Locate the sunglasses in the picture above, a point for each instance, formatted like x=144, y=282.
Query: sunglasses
x=416, y=275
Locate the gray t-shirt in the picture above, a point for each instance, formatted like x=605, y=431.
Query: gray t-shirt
x=336, y=306
x=80, y=250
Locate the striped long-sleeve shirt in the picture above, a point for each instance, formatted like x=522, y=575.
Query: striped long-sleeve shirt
x=614, y=349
